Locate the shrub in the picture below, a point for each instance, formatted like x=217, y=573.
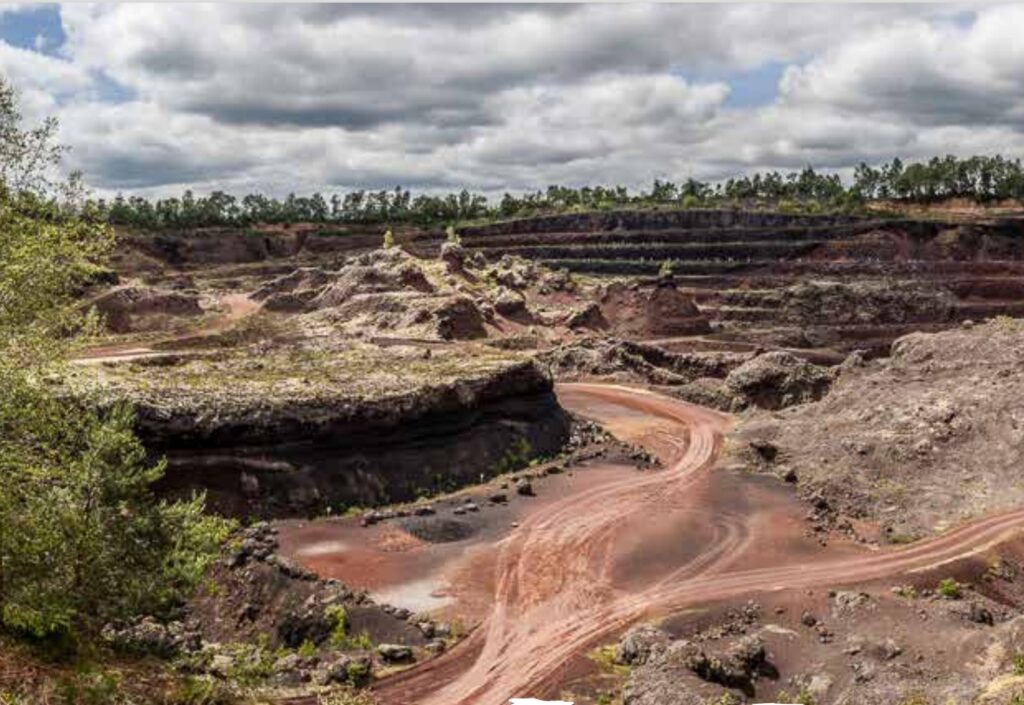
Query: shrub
x=346, y=696
x=84, y=539
x=1018, y=664
x=389, y=240
x=949, y=589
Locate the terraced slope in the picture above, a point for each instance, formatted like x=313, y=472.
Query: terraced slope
x=837, y=282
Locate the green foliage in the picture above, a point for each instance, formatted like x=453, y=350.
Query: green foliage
x=949, y=589
x=252, y=664
x=389, y=240
x=202, y=690
x=1018, y=664
x=728, y=699
x=340, y=638
x=915, y=699
x=806, y=191
x=346, y=696
x=979, y=178
x=908, y=591
x=666, y=269
x=607, y=659
x=517, y=456
x=803, y=697
x=307, y=649
x=82, y=538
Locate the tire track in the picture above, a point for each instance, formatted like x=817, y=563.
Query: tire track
x=555, y=599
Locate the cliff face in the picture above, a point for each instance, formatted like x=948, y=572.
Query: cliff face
x=293, y=432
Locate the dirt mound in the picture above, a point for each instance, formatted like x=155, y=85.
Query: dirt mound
x=380, y=271
x=137, y=308
x=930, y=437
x=304, y=282
x=384, y=292
x=658, y=310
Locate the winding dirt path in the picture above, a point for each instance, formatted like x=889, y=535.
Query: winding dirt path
x=558, y=592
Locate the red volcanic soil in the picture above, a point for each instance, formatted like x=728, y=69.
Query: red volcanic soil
x=606, y=548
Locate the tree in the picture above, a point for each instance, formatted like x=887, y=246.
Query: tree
x=82, y=538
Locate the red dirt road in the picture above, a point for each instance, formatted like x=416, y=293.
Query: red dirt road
x=560, y=585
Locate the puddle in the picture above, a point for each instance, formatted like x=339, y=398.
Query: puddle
x=322, y=548
x=416, y=596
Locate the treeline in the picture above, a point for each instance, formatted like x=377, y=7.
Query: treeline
x=982, y=179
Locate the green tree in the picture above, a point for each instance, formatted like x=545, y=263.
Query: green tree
x=82, y=538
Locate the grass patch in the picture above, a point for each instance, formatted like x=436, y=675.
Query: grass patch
x=606, y=657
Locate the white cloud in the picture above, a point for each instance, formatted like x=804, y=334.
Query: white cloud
x=929, y=73
x=303, y=97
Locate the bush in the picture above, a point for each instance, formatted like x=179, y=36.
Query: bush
x=949, y=589
x=83, y=538
x=1018, y=664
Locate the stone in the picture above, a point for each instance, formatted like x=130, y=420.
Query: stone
x=336, y=671
x=980, y=614
x=287, y=663
x=395, y=653
x=636, y=645
x=221, y=665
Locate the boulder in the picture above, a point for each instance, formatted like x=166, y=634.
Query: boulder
x=589, y=316
x=635, y=646
x=453, y=254
x=395, y=653
x=524, y=487
x=509, y=303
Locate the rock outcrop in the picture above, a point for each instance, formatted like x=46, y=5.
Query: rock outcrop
x=912, y=441
x=776, y=380
x=138, y=308
x=294, y=431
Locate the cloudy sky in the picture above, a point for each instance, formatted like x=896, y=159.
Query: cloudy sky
x=156, y=98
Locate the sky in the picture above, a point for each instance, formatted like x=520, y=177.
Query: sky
x=154, y=99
